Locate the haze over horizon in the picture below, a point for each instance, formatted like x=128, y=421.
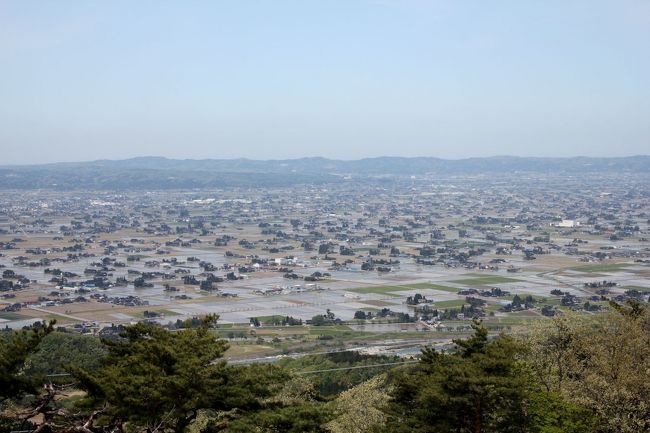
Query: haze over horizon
x=307, y=157
x=342, y=80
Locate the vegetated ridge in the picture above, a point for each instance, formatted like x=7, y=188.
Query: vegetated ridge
x=163, y=173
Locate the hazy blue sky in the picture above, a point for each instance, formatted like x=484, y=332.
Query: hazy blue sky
x=83, y=80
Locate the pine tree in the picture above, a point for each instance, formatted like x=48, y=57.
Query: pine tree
x=478, y=389
x=15, y=348
x=158, y=379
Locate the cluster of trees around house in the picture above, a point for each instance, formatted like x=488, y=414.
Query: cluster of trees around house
x=385, y=313
x=276, y=321
x=569, y=374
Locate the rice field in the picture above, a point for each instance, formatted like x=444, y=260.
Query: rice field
x=486, y=280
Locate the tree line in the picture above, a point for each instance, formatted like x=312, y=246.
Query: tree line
x=569, y=374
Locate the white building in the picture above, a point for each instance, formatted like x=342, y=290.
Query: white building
x=566, y=224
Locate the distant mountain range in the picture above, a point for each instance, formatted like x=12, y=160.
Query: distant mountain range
x=164, y=173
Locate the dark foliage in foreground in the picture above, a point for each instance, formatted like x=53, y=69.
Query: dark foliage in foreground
x=571, y=376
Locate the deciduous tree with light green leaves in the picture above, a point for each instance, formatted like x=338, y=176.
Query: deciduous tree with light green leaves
x=601, y=364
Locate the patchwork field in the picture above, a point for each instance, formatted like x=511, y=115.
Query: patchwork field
x=485, y=280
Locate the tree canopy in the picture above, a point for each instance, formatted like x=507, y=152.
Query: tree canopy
x=15, y=348
x=568, y=375
x=160, y=379
x=483, y=387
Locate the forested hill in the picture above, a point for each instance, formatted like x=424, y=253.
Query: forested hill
x=163, y=173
